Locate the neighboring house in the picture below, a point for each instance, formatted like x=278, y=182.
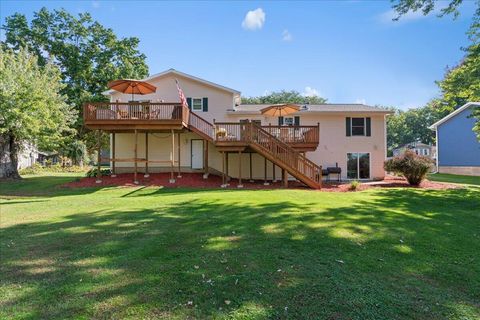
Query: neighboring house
x=27, y=157
x=217, y=130
x=419, y=148
x=458, y=148
x=48, y=158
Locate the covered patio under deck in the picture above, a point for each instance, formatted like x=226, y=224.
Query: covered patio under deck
x=144, y=119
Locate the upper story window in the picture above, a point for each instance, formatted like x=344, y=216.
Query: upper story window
x=197, y=104
x=358, y=126
x=288, y=121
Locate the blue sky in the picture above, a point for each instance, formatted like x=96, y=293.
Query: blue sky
x=347, y=51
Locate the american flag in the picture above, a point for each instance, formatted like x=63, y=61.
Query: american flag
x=181, y=95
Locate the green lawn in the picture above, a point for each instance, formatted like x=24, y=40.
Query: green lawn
x=174, y=253
x=454, y=178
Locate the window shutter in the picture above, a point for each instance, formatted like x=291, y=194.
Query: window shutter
x=296, y=120
x=348, y=124
x=205, y=104
x=368, y=130
x=189, y=102
x=280, y=121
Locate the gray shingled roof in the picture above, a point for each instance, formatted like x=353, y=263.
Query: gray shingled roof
x=328, y=107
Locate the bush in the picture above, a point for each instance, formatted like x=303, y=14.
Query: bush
x=354, y=185
x=93, y=172
x=412, y=166
x=77, y=152
x=37, y=168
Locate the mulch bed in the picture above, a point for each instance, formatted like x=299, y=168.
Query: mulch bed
x=195, y=180
x=392, y=182
x=188, y=180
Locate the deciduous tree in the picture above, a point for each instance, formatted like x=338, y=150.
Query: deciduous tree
x=461, y=83
x=284, y=96
x=404, y=127
x=31, y=107
x=403, y=7
x=87, y=53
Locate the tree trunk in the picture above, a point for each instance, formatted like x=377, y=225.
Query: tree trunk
x=9, y=149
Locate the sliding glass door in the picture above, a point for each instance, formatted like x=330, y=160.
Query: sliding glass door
x=358, y=165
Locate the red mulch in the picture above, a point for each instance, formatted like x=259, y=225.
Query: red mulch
x=188, y=180
x=195, y=180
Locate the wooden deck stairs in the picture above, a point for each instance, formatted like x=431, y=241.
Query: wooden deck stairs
x=250, y=134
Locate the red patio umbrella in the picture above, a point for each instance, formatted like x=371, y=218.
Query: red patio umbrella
x=132, y=86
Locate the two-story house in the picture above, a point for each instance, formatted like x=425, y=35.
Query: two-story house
x=217, y=134
x=458, y=147
x=419, y=148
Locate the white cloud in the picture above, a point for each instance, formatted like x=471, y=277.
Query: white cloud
x=361, y=101
x=287, y=36
x=310, y=92
x=96, y=4
x=254, y=19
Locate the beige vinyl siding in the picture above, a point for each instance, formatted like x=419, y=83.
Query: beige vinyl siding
x=333, y=147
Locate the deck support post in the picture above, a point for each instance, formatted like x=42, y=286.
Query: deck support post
x=179, y=175
x=172, y=162
x=265, y=182
x=285, y=178
x=224, y=184
x=240, y=185
x=250, y=167
x=274, y=179
x=227, y=177
x=99, y=158
x=205, y=159
x=114, y=171
x=147, y=174
x=135, y=151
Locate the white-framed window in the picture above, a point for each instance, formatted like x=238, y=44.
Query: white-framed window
x=288, y=121
x=427, y=152
x=358, y=126
x=197, y=104
x=358, y=165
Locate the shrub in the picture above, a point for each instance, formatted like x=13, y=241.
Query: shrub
x=412, y=166
x=354, y=185
x=38, y=169
x=77, y=152
x=93, y=172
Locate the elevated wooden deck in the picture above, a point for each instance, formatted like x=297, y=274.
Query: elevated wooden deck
x=282, y=145
x=166, y=116
x=118, y=116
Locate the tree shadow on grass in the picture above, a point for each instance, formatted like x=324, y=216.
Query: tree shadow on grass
x=394, y=254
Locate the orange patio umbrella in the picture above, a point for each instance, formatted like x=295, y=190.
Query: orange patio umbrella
x=280, y=110
x=132, y=86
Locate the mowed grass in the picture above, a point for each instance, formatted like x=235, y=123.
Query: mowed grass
x=150, y=253
x=454, y=178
